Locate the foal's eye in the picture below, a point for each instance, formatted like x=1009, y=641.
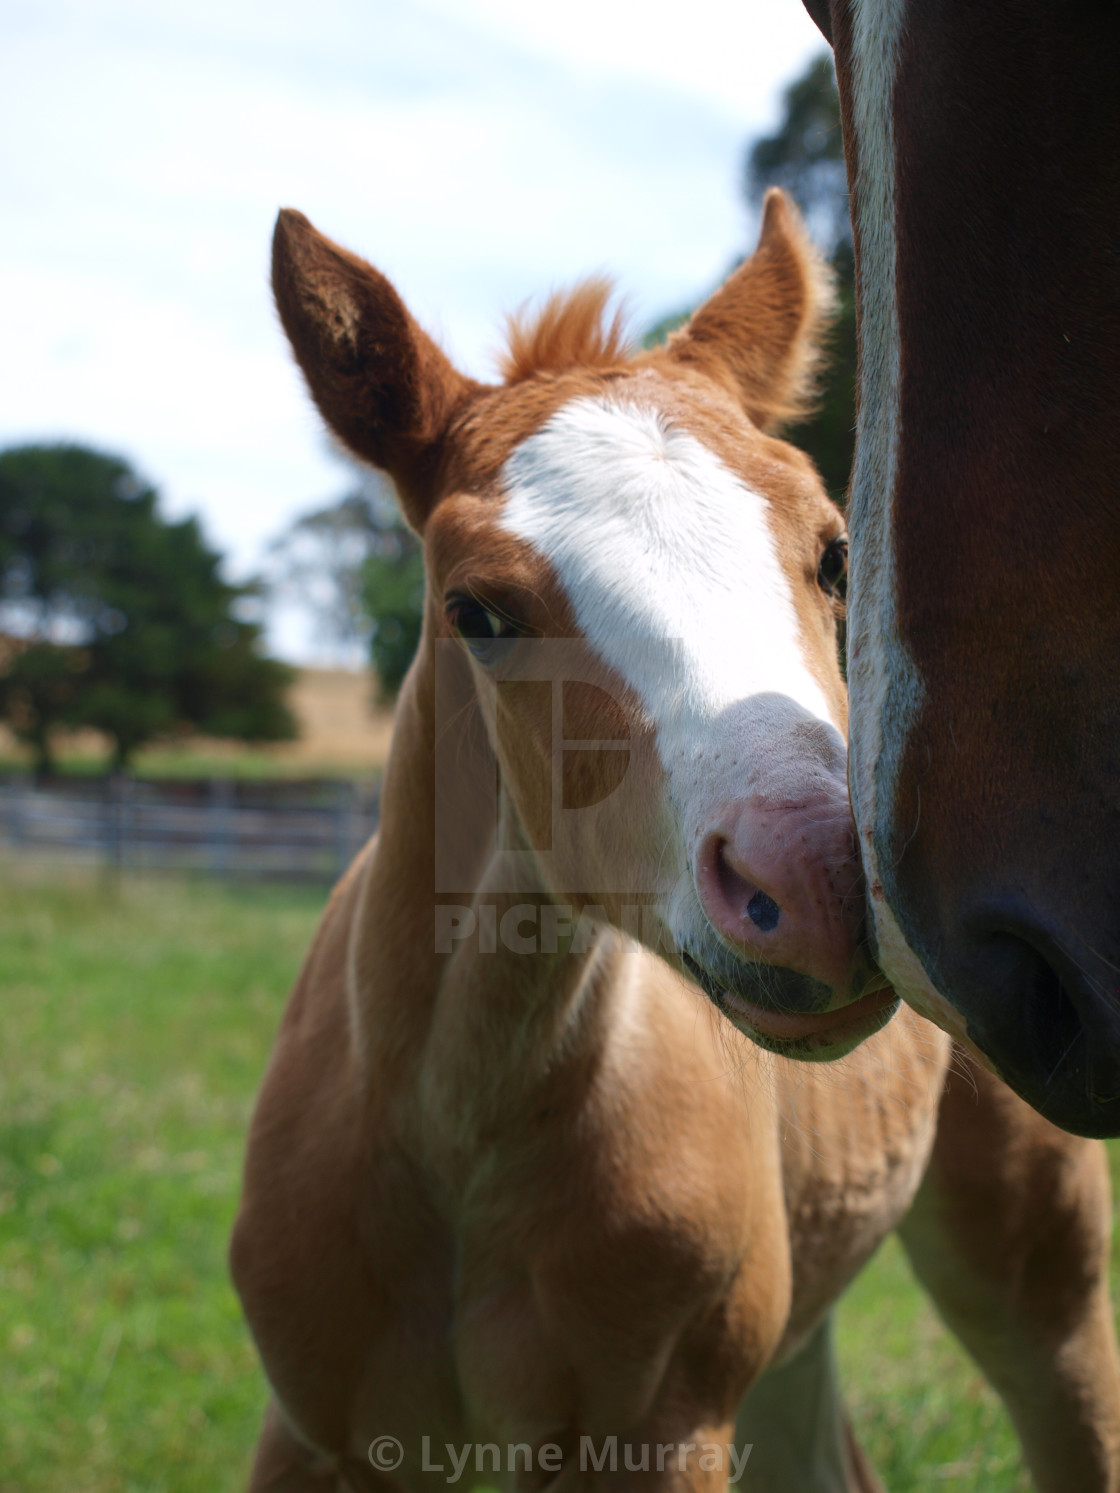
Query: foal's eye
x=832, y=574
x=487, y=636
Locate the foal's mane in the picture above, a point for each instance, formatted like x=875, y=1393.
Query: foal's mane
x=570, y=330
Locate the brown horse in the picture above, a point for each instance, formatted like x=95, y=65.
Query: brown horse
x=517, y=1201
x=982, y=142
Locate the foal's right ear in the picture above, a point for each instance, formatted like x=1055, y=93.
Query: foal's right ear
x=380, y=382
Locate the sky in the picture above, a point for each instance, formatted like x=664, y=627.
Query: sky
x=480, y=152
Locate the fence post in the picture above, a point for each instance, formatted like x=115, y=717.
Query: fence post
x=14, y=795
x=114, y=818
x=221, y=824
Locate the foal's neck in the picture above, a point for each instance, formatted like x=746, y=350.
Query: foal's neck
x=475, y=1021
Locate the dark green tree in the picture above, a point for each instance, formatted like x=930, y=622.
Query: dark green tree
x=805, y=155
x=121, y=620
x=393, y=591
x=357, y=568
x=40, y=685
x=319, y=563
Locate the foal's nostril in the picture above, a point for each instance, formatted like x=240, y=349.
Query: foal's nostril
x=763, y=912
x=746, y=898
x=769, y=887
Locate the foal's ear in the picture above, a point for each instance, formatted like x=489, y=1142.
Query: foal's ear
x=382, y=385
x=761, y=331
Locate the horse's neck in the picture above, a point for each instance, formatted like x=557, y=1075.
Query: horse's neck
x=470, y=1034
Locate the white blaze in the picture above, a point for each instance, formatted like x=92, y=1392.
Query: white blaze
x=668, y=561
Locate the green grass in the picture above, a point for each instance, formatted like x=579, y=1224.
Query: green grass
x=136, y=1019
x=922, y=1411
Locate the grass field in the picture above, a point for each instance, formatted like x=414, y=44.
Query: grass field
x=137, y=1016
x=135, y=1022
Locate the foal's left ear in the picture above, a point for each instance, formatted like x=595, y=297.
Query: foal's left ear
x=381, y=383
x=761, y=332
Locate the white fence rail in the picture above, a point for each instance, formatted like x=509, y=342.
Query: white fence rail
x=307, y=831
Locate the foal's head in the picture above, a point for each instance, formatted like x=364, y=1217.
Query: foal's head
x=643, y=584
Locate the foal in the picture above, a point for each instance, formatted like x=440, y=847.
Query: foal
x=512, y=1188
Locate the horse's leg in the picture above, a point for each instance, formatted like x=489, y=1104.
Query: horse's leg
x=284, y=1465
x=1010, y=1235
x=794, y=1421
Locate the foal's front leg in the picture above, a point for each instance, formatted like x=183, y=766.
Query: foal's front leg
x=1010, y=1234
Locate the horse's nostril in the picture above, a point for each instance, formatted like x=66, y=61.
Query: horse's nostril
x=763, y=912
x=1040, y=1006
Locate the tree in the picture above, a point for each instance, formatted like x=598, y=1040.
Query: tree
x=121, y=620
x=358, y=569
x=39, y=686
x=318, y=561
x=805, y=155
x=393, y=593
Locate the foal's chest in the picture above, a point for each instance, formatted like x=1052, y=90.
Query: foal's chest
x=856, y=1140
x=560, y=1283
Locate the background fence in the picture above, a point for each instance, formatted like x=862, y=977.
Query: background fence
x=226, y=827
